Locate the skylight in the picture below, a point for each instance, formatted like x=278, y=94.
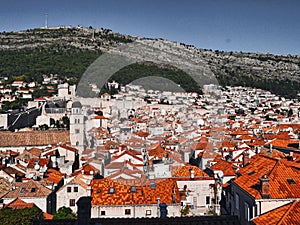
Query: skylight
x=111, y=190
x=32, y=190
x=290, y=181
x=22, y=190
x=133, y=189
x=152, y=185
x=251, y=173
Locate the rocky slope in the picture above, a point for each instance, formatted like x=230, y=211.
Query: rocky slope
x=277, y=73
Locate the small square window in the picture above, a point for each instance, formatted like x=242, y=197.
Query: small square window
x=111, y=190
x=133, y=189
x=102, y=213
x=75, y=189
x=127, y=211
x=152, y=185
x=32, y=190
x=22, y=190
x=148, y=212
x=69, y=189
x=72, y=202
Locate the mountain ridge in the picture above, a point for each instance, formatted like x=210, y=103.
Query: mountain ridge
x=279, y=74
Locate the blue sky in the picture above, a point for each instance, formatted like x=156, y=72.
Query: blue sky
x=269, y=26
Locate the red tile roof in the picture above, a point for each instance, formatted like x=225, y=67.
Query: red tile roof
x=31, y=189
x=47, y=216
x=33, y=138
x=285, y=215
x=39, y=161
x=166, y=190
x=185, y=172
x=228, y=168
x=157, y=151
x=88, y=170
x=54, y=176
x=277, y=171
x=19, y=204
x=283, y=143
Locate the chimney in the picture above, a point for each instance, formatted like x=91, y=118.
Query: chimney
x=192, y=174
x=246, y=158
x=158, y=209
x=265, y=186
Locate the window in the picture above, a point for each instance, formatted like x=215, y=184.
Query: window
x=207, y=200
x=148, y=212
x=99, y=191
x=237, y=201
x=290, y=181
x=32, y=190
x=251, y=173
x=127, y=212
x=152, y=185
x=22, y=190
x=75, y=189
x=68, y=189
x=102, y=213
x=133, y=189
x=247, y=212
x=111, y=190
x=72, y=202
x=77, y=131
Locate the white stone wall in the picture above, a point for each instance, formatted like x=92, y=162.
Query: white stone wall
x=3, y=121
x=63, y=197
x=136, y=211
x=197, y=190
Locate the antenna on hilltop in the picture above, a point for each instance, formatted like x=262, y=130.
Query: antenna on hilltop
x=46, y=20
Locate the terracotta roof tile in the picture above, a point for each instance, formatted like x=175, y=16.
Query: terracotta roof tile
x=228, y=168
x=277, y=171
x=185, y=172
x=29, y=188
x=284, y=215
x=157, y=151
x=122, y=194
x=33, y=138
x=39, y=161
x=19, y=204
x=47, y=216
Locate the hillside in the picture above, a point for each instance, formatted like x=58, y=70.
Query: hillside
x=69, y=51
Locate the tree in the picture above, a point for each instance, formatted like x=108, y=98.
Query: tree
x=20, y=216
x=64, y=213
x=66, y=122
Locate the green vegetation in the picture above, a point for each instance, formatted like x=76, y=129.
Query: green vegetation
x=20, y=216
x=140, y=70
x=235, y=77
x=31, y=64
x=64, y=213
x=68, y=52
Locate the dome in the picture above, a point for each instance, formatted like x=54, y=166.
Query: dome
x=76, y=105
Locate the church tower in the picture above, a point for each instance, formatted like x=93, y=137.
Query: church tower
x=77, y=127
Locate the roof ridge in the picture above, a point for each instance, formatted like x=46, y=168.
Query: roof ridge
x=274, y=167
x=287, y=212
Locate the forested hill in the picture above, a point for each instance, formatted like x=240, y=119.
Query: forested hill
x=68, y=51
